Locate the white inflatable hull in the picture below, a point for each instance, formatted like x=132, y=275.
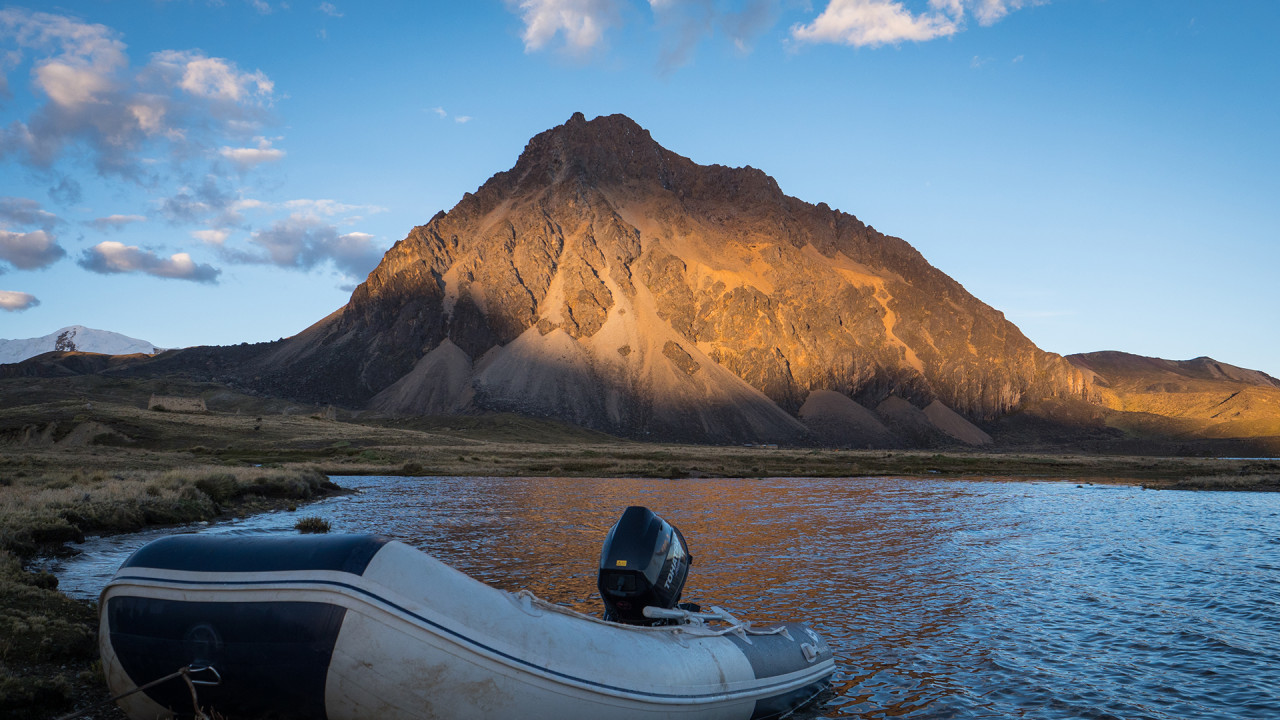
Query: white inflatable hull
x=358, y=628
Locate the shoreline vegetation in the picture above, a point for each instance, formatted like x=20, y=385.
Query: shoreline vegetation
x=48, y=641
x=70, y=468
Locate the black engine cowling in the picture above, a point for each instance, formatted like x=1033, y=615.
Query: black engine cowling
x=645, y=562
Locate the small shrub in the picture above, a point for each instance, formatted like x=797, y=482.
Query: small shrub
x=312, y=525
x=412, y=468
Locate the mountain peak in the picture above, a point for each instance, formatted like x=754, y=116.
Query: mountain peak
x=604, y=129
x=71, y=339
x=609, y=148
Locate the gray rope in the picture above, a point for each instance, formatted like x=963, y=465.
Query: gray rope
x=184, y=672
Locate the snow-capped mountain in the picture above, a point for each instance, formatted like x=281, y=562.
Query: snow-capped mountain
x=74, y=338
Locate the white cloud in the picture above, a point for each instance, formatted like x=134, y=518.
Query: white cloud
x=100, y=109
x=75, y=61
x=30, y=250
x=246, y=158
x=330, y=9
x=71, y=85
x=215, y=78
x=114, y=222
x=323, y=207
x=581, y=22
x=211, y=237
x=74, y=42
x=17, y=301
x=248, y=204
x=989, y=12
x=113, y=257
x=872, y=23
x=444, y=115
x=150, y=112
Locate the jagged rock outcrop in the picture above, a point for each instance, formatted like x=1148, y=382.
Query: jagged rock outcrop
x=610, y=282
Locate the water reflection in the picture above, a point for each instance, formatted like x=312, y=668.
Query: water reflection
x=942, y=599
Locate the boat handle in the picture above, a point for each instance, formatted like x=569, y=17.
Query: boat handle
x=217, y=677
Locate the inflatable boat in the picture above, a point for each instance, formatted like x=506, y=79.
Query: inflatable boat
x=360, y=627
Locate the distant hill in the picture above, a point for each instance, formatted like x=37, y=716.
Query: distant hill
x=76, y=338
x=1200, y=398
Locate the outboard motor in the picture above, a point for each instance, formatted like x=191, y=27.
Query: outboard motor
x=644, y=563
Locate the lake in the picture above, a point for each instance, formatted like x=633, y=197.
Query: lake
x=941, y=598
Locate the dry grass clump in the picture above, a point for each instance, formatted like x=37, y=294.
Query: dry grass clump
x=312, y=525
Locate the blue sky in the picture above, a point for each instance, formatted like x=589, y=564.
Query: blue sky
x=192, y=172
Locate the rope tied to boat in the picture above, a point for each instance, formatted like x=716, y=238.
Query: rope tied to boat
x=695, y=623
x=184, y=672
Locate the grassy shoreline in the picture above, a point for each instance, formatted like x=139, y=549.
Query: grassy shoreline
x=68, y=469
x=48, y=641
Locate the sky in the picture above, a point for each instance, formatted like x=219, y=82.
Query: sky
x=1104, y=172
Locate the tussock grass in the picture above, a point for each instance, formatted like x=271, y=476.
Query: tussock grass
x=312, y=525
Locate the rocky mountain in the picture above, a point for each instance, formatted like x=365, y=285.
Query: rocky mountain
x=610, y=282
x=76, y=338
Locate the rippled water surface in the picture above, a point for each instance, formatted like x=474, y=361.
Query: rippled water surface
x=941, y=599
